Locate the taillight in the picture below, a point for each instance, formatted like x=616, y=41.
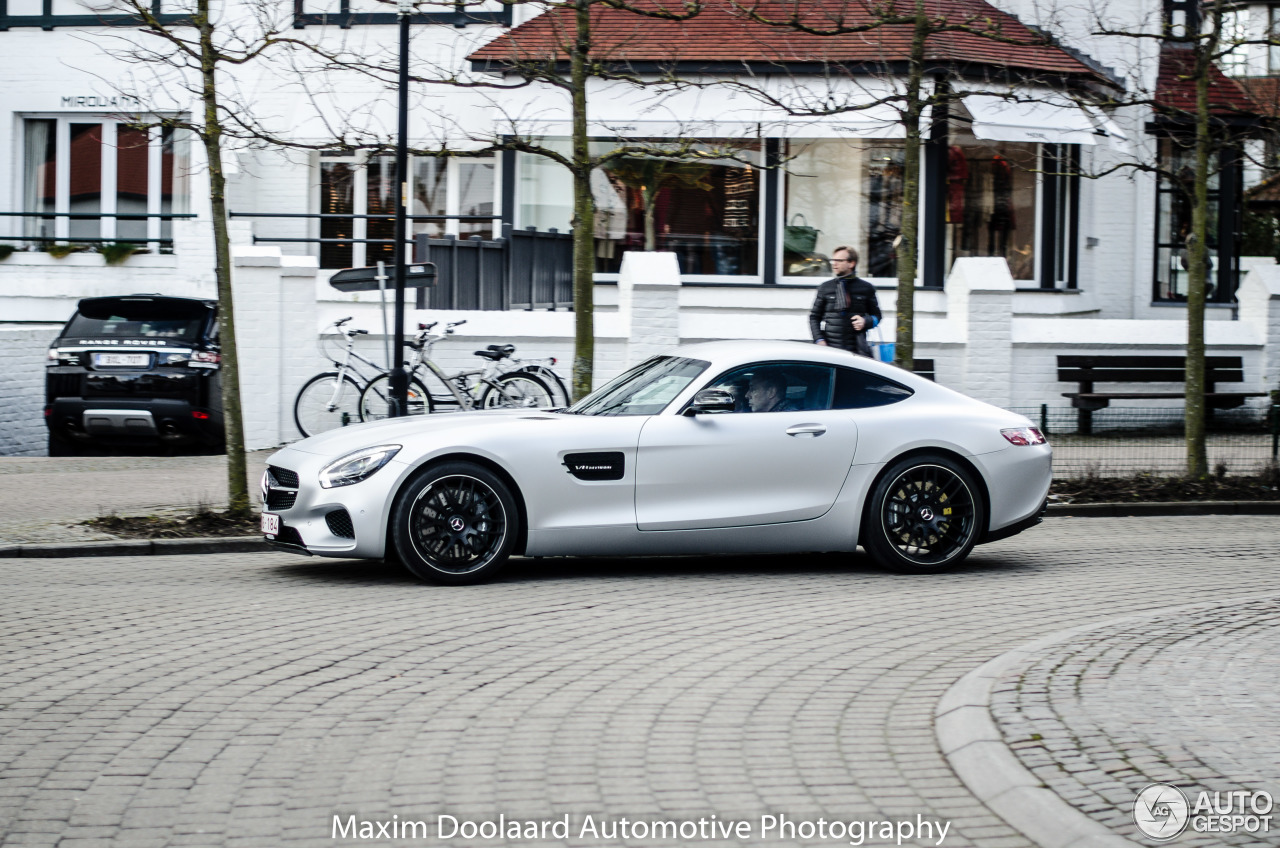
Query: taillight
x=1024, y=436
x=199, y=416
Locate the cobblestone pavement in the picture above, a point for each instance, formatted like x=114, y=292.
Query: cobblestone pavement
x=245, y=700
x=1189, y=698
x=45, y=498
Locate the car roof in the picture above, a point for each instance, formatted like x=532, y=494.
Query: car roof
x=725, y=354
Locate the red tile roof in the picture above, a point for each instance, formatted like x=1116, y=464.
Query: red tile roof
x=1265, y=93
x=1176, y=91
x=723, y=33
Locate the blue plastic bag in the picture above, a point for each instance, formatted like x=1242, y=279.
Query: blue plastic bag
x=884, y=351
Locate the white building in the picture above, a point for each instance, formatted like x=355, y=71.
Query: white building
x=1101, y=258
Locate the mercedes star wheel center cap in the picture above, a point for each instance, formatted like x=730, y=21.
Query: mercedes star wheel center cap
x=926, y=514
x=457, y=524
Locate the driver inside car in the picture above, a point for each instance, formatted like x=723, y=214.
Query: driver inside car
x=768, y=393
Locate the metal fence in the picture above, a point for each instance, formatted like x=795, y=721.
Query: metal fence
x=1132, y=440
x=525, y=269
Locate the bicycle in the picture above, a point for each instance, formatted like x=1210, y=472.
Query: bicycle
x=331, y=399
x=517, y=389
x=541, y=368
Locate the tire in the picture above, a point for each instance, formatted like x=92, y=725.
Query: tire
x=517, y=390
x=311, y=410
x=456, y=524
x=59, y=446
x=375, y=400
x=925, y=514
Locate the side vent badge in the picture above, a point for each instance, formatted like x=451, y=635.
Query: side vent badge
x=602, y=465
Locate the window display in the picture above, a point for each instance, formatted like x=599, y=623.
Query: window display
x=991, y=200
x=842, y=192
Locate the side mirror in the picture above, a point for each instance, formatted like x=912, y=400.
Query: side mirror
x=712, y=400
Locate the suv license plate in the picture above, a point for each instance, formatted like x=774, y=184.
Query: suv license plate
x=270, y=524
x=134, y=360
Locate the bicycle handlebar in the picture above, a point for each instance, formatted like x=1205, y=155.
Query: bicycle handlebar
x=342, y=321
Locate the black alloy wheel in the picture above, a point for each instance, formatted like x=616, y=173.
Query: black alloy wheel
x=925, y=513
x=457, y=523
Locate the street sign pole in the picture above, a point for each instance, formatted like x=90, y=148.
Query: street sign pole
x=399, y=378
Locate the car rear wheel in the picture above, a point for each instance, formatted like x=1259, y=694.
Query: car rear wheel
x=456, y=523
x=925, y=514
x=59, y=446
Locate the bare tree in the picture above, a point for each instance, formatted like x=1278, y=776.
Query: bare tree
x=1201, y=114
x=189, y=61
x=904, y=58
x=560, y=52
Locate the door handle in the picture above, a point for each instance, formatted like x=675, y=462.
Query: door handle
x=810, y=430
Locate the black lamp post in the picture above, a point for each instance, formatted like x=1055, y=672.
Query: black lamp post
x=399, y=378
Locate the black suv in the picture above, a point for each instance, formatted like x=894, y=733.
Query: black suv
x=137, y=370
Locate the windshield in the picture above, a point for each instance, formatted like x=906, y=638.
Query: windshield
x=123, y=319
x=644, y=390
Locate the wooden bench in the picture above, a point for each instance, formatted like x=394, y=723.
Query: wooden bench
x=1087, y=370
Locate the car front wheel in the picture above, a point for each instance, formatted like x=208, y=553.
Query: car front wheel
x=456, y=523
x=925, y=514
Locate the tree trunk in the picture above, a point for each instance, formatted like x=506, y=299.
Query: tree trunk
x=650, y=196
x=908, y=247
x=211, y=136
x=1198, y=259
x=584, y=218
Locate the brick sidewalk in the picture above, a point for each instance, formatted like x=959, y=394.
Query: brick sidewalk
x=42, y=499
x=245, y=700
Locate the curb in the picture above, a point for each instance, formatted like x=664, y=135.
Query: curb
x=255, y=544
x=1121, y=510
x=141, y=547
x=972, y=743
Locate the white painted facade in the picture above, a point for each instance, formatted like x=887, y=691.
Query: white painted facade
x=989, y=335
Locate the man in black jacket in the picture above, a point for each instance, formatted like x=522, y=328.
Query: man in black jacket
x=845, y=307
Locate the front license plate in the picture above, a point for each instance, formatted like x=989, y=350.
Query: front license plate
x=270, y=524
x=127, y=360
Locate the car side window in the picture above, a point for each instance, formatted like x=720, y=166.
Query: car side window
x=778, y=387
x=857, y=389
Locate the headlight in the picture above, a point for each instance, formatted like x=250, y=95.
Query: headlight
x=356, y=466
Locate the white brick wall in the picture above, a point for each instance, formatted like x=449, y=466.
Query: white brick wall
x=22, y=358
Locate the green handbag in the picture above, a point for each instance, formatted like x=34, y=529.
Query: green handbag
x=799, y=238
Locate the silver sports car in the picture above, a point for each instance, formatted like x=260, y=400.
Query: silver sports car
x=742, y=446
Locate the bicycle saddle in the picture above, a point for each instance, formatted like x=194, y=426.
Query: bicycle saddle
x=496, y=352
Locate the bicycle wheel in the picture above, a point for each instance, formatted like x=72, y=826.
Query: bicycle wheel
x=375, y=400
x=325, y=403
x=559, y=391
x=517, y=390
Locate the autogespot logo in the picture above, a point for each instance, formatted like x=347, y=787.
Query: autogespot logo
x=1161, y=811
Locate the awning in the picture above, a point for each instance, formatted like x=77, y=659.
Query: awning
x=1051, y=120
x=697, y=112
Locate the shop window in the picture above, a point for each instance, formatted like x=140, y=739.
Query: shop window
x=842, y=193
x=443, y=190
x=97, y=180
x=990, y=202
x=705, y=210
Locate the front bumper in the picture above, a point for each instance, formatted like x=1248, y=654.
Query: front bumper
x=345, y=521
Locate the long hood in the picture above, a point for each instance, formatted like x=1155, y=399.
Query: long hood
x=411, y=430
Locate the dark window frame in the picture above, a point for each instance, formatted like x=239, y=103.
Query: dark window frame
x=48, y=21
x=345, y=19
x=1226, y=197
